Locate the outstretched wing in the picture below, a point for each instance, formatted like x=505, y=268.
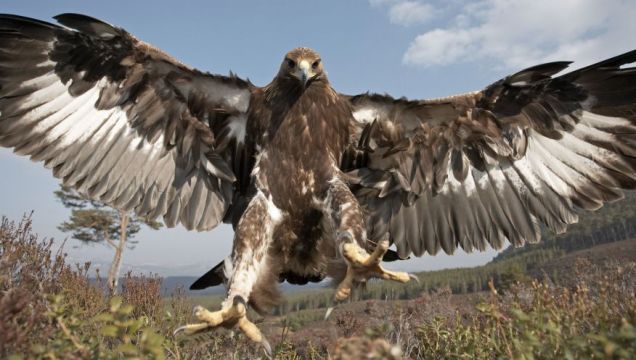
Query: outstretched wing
x=492, y=166
x=121, y=121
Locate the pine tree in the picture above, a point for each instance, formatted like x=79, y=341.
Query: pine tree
x=95, y=222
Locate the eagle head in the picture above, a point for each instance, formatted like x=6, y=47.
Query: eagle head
x=302, y=64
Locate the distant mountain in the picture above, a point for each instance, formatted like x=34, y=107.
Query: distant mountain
x=171, y=283
x=185, y=270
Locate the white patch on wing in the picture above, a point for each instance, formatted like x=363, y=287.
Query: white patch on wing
x=120, y=121
x=73, y=127
x=228, y=95
x=585, y=132
x=45, y=96
x=497, y=178
x=481, y=179
x=569, y=176
x=57, y=106
x=603, y=122
x=237, y=126
x=47, y=62
x=240, y=100
x=583, y=165
x=469, y=183
x=525, y=170
x=585, y=149
x=41, y=82
x=365, y=115
x=380, y=184
x=538, y=165
x=446, y=188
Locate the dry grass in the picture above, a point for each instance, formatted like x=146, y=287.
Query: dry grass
x=29, y=273
x=49, y=309
x=143, y=293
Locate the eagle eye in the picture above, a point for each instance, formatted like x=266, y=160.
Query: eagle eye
x=291, y=63
x=315, y=64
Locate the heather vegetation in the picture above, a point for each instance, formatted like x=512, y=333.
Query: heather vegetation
x=510, y=308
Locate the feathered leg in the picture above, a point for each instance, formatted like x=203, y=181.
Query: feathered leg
x=251, y=241
x=351, y=238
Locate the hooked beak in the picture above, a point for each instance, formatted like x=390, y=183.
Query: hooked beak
x=305, y=72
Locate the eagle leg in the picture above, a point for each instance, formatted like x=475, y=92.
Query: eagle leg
x=348, y=222
x=228, y=317
x=252, y=239
x=362, y=266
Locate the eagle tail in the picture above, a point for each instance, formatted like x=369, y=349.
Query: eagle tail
x=211, y=278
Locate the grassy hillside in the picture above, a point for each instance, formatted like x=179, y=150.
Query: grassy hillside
x=50, y=310
x=458, y=281
x=614, y=222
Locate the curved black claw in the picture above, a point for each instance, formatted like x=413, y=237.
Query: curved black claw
x=267, y=348
x=328, y=312
x=415, y=278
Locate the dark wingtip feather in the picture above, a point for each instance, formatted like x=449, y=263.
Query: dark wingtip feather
x=88, y=25
x=15, y=25
x=617, y=61
x=538, y=72
x=613, y=62
x=11, y=18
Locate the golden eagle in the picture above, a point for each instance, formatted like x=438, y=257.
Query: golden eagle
x=315, y=183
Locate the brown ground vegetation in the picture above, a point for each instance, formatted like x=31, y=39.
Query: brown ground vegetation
x=50, y=309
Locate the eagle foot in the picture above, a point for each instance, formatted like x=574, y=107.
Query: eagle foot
x=363, y=266
x=229, y=317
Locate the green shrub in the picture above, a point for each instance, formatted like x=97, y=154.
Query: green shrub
x=542, y=321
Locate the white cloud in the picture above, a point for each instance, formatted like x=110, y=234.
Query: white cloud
x=410, y=13
x=515, y=34
x=439, y=46
x=406, y=12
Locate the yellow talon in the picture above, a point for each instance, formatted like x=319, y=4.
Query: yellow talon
x=362, y=266
x=228, y=317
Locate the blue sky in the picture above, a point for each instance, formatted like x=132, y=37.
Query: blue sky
x=410, y=48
